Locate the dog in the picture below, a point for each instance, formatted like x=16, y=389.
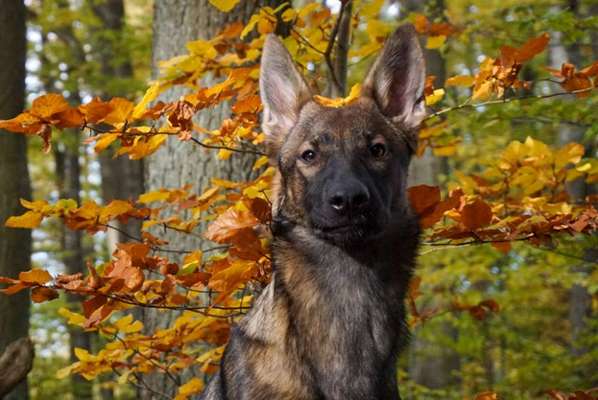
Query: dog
x=331, y=323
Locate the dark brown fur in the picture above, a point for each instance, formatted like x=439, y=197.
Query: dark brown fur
x=332, y=321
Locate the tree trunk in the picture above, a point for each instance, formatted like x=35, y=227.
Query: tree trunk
x=121, y=178
x=179, y=163
x=73, y=256
x=15, y=245
x=580, y=300
x=431, y=364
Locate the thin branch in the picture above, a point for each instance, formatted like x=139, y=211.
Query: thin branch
x=467, y=104
x=235, y=149
x=342, y=48
x=328, y=52
x=154, y=248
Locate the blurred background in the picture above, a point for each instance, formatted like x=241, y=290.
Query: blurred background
x=544, y=334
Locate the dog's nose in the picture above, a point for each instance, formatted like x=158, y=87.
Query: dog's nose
x=350, y=199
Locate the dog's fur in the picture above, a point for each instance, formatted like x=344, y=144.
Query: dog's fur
x=332, y=321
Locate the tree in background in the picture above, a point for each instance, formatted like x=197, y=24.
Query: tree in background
x=483, y=295
x=15, y=244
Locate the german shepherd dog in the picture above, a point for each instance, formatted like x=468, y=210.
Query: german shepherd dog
x=332, y=321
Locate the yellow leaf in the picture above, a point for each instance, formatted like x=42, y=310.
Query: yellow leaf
x=82, y=354
x=260, y=162
x=460, y=80
x=483, y=92
x=250, y=25
x=224, y=154
x=571, y=153
x=72, y=318
x=115, y=209
x=224, y=5
x=192, y=261
x=435, y=42
x=126, y=324
x=38, y=276
x=37, y=205
x=29, y=220
x=340, y=102
x=157, y=195
x=195, y=385
x=202, y=48
x=435, y=97
x=66, y=371
x=444, y=151
x=104, y=141
x=150, y=95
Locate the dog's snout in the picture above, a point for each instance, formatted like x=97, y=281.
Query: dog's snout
x=349, y=198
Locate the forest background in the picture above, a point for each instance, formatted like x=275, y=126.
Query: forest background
x=152, y=181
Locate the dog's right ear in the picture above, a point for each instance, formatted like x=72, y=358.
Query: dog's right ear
x=283, y=91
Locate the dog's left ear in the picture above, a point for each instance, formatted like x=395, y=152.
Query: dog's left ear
x=283, y=91
x=396, y=80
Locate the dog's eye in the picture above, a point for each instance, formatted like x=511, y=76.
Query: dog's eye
x=308, y=155
x=378, y=150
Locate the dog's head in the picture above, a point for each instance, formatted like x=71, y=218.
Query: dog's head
x=342, y=171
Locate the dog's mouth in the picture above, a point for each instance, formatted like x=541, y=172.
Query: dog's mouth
x=349, y=232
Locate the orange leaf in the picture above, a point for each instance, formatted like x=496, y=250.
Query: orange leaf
x=37, y=276
x=71, y=118
x=49, y=104
x=228, y=224
x=532, y=47
x=114, y=209
x=121, y=111
x=487, y=396
x=22, y=123
x=476, y=215
x=41, y=294
x=503, y=247
x=13, y=289
x=96, y=110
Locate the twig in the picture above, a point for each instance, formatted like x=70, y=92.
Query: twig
x=328, y=51
x=342, y=48
x=467, y=104
x=235, y=149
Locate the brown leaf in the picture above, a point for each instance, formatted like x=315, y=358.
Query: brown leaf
x=423, y=197
x=229, y=224
x=532, y=47
x=476, y=215
x=41, y=294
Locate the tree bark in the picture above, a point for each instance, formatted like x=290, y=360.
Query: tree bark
x=121, y=178
x=580, y=300
x=432, y=364
x=15, y=245
x=179, y=163
x=15, y=364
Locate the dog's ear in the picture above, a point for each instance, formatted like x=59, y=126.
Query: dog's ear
x=396, y=80
x=283, y=91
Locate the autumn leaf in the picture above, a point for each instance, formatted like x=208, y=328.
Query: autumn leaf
x=229, y=224
x=41, y=294
x=193, y=386
x=340, y=102
x=48, y=105
x=460, y=80
x=35, y=276
x=29, y=220
x=423, y=197
x=476, y=214
x=224, y=5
